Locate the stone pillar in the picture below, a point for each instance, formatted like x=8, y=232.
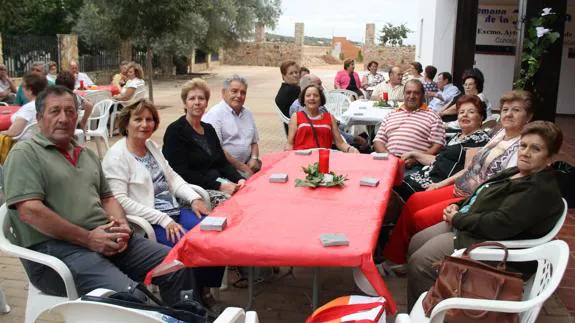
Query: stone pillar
x=221, y=56
x=125, y=50
x=67, y=50
x=369, y=34
x=299, y=33
x=208, y=60
x=260, y=33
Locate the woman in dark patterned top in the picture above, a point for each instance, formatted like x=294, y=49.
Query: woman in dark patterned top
x=289, y=90
x=470, y=114
x=194, y=150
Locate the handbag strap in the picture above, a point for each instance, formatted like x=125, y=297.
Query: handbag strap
x=340, y=311
x=312, y=129
x=502, y=264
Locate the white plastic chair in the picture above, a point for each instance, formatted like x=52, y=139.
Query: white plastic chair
x=37, y=300
x=350, y=94
x=237, y=315
x=337, y=103
x=551, y=258
x=32, y=127
x=97, y=96
x=3, y=103
x=518, y=244
x=140, y=93
x=280, y=114
x=99, y=118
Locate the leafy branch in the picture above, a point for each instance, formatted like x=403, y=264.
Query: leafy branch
x=315, y=179
x=539, y=39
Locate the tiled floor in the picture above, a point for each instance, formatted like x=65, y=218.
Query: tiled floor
x=287, y=300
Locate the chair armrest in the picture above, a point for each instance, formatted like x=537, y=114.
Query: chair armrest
x=252, y=317
x=144, y=225
x=402, y=318
x=203, y=193
x=231, y=314
x=56, y=264
x=480, y=304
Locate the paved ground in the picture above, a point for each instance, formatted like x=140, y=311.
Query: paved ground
x=287, y=300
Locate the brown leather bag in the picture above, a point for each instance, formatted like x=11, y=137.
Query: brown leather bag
x=468, y=278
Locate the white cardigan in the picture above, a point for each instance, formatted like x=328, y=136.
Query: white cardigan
x=132, y=185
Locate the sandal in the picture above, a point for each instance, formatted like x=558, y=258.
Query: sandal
x=236, y=279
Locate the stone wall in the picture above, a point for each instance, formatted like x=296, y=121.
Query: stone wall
x=262, y=54
x=388, y=56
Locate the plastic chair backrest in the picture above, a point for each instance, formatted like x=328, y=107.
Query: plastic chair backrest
x=3, y=103
x=101, y=114
x=337, y=103
x=350, y=94
x=280, y=114
x=84, y=312
x=546, y=238
x=97, y=96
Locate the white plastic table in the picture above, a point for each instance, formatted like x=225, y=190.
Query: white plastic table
x=362, y=112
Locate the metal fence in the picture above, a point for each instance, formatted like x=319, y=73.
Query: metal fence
x=20, y=52
x=139, y=56
x=99, y=59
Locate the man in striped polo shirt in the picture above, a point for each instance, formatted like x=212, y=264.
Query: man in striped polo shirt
x=411, y=127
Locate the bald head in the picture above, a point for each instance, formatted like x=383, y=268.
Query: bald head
x=395, y=75
x=309, y=79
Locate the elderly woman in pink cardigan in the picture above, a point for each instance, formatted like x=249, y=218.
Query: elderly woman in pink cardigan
x=347, y=79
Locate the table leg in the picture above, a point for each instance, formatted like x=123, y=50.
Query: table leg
x=315, y=292
x=250, y=287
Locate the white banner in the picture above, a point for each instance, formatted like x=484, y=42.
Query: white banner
x=496, y=25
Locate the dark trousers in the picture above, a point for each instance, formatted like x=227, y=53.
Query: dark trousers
x=205, y=276
x=92, y=270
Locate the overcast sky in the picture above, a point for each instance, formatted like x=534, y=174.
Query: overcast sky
x=346, y=18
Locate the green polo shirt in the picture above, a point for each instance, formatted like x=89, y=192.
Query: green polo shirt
x=36, y=170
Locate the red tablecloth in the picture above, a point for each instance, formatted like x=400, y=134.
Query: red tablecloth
x=110, y=88
x=275, y=224
x=6, y=113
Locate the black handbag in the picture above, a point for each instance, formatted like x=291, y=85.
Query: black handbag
x=136, y=297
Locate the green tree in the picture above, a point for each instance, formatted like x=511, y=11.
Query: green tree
x=394, y=35
x=38, y=17
x=174, y=26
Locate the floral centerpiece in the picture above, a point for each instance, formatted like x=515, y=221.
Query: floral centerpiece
x=386, y=104
x=314, y=178
x=537, y=42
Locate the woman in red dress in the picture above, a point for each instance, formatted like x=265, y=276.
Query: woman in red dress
x=314, y=127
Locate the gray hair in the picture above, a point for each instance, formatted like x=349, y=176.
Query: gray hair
x=42, y=64
x=57, y=90
x=307, y=80
x=416, y=82
x=233, y=78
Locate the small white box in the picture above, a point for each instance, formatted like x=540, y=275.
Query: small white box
x=380, y=156
x=213, y=223
x=306, y=152
x=279, y=178
x=369, y=181
x=358, y=114
x=333, y=239
x=362, y=107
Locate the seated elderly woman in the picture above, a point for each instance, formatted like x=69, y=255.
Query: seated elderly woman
x=370, y=80
x=25, y=117
x=289, y=90
x=348, y=79
x=67, y=79
x=451, y=159
x=424, y=209
x=145, y=185
x=313, y=128
x=134, y=79
x=522, y=202
x=193, y=149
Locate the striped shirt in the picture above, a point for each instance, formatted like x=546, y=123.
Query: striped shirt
x=402, y=131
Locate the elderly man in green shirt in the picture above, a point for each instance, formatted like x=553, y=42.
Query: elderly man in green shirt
x=60, y=204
